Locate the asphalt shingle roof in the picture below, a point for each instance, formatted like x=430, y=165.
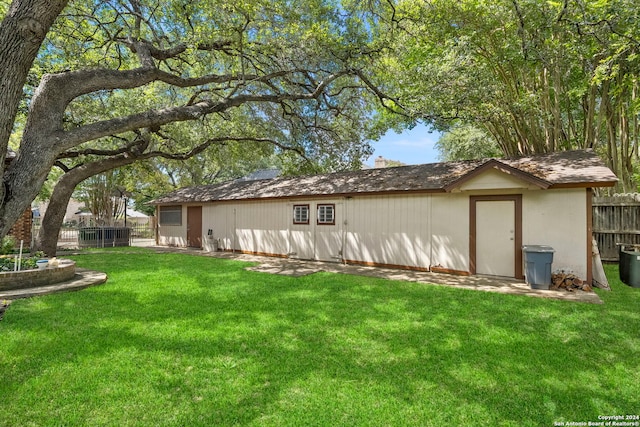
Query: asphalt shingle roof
x=561, y=169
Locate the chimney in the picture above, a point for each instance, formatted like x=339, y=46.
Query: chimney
x=380, y=162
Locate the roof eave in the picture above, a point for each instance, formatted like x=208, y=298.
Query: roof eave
x=585, y=184
x=304, y=196
x=502, y=167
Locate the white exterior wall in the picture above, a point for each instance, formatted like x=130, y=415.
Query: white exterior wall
x=253, y=226
x=492, y=180
x=302, y=236
x=404, y=230
x=262, y=227
x=558, y=218
x=218, y=219
x=450, y=231
x=388, y=230
x=414, y=230
x=174, y=235
x=267, y=227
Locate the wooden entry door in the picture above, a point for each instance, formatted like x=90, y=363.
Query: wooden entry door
x=194, y=226
x=496, y=235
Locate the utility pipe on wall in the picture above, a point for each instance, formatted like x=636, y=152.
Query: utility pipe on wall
x=345, y=223
x=235, y=230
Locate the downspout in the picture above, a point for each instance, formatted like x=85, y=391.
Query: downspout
x=430, y=228
x=345, y=223
x=290, y=224
x=157, y=225
x=235, y=231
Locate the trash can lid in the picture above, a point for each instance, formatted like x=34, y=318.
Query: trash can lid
x=537, y=248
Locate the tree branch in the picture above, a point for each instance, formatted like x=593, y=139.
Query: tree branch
x=221, y=140
x=95, y=152
x=382, y=97
x=174, y=51
x=156, y=118
x=135, y=150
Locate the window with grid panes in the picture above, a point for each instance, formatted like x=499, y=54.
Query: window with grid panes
x=301, y=214
x=326, y=214
x=170, y=215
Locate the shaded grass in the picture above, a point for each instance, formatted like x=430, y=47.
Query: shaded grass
x=182, y=340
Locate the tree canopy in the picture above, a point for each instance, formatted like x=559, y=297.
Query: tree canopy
x=466, y=142
x=537, y=76
x=114, y=79
x=94, y=85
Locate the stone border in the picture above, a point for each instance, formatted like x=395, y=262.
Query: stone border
x=82, y=279
x=24, y=279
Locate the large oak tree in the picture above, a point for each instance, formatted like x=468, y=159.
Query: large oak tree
x=109, y=69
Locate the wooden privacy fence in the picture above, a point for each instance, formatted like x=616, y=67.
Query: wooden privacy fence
x=616, y=219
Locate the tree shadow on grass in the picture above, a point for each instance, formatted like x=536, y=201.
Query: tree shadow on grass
x=225, y=346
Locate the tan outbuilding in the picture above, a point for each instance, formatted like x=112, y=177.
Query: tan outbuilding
x=468, y=217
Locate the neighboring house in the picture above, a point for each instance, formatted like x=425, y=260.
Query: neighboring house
x=381, y=162
x=134, y=218
x=21, y=229
x=468, y=217
x=137, y=218
x=73, y=215
x=78, y=215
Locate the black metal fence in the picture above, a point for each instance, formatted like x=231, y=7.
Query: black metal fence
x=103, y=237
x=73, y=236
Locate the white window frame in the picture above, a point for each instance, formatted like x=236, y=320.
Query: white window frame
x=324, y=218
x=301, y=214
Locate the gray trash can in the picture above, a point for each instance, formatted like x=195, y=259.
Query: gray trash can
x=537, y=265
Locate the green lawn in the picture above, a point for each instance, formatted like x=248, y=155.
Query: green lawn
x=179, y=340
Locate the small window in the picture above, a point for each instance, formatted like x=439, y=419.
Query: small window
x=326, y=215
x=170, y=215
x=301, y=214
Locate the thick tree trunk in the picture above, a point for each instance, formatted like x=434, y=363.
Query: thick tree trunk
x=47, y=238
x=21, y=33
x=22, y=181
x=590, y=120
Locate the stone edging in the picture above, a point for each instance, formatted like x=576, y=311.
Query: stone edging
x=24, y=279
x=82, y=279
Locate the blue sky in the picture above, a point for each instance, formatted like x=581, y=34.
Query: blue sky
x=412, y=147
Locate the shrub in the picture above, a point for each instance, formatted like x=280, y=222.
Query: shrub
x=28, y=261
x=8, y=245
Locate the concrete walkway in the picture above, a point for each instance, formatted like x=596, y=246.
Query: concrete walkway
x=297, y=268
